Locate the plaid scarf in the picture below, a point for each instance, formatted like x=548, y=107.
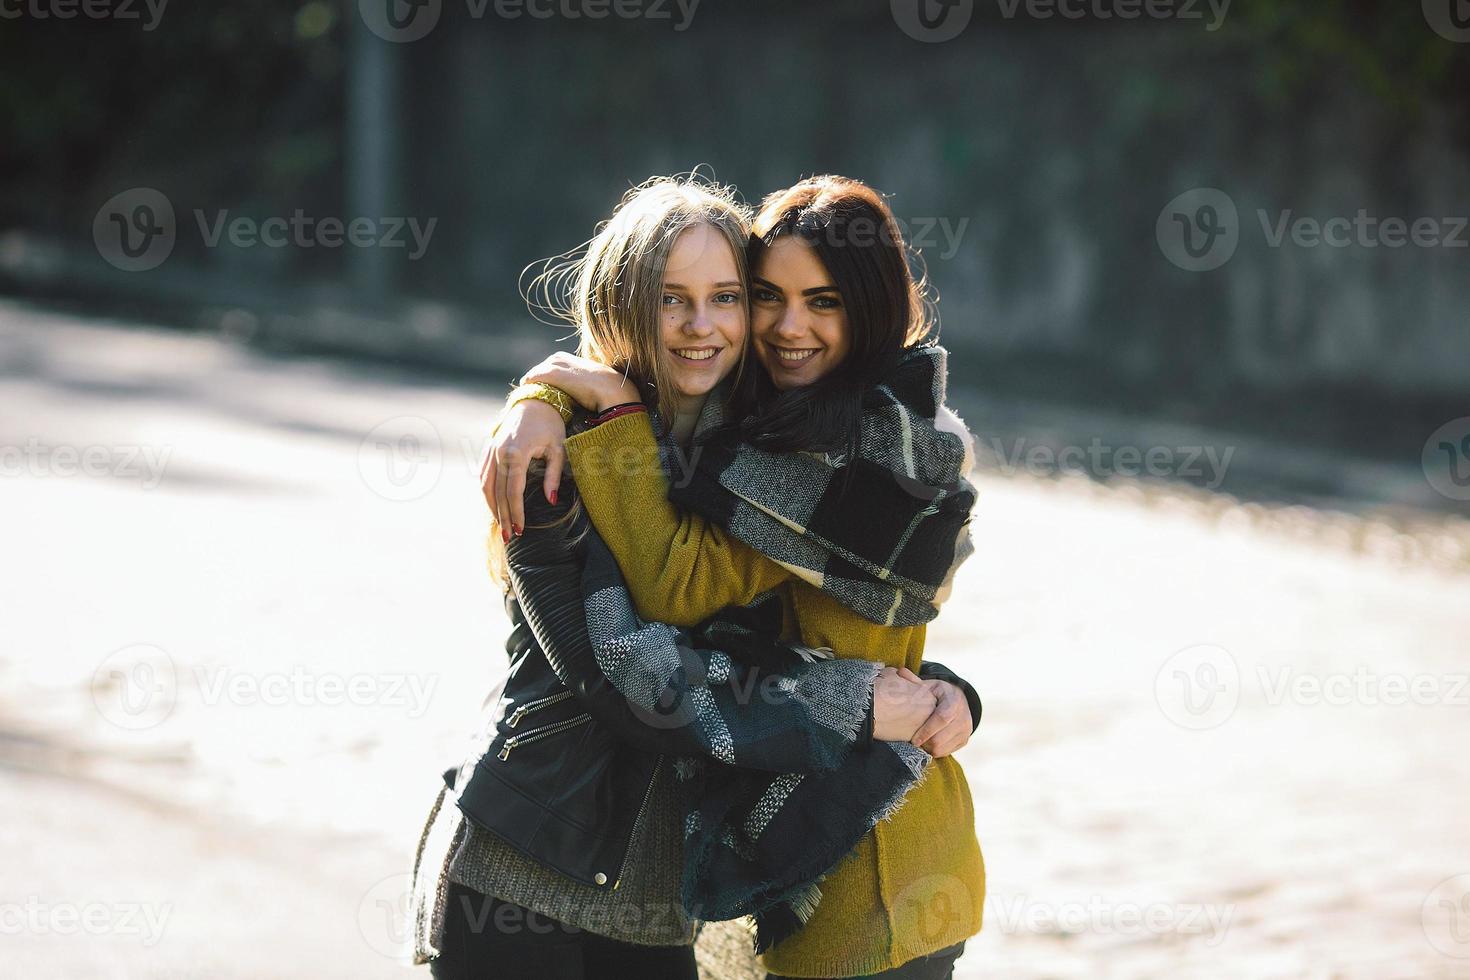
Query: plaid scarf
x=882, y=532
x=776, y=798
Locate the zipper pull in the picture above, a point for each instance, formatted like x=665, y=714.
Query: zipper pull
x=504, y=752
x=515, y=717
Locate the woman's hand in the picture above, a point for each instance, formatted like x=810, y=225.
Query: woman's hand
x=948, y=727
x=530, y=430
x=592, y=385
x=901, y=704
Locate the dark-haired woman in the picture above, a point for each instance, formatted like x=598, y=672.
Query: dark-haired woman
x=835, y=476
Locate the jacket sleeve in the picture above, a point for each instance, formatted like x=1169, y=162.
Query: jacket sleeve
x=680, y=568
x=931, y=670
x=545, y=565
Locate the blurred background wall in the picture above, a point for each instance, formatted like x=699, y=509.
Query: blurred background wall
x=1034, y=159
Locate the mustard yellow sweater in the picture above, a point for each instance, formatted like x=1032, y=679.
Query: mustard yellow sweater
x=916, y=883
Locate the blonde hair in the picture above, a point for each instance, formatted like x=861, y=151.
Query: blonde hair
x=610, y=290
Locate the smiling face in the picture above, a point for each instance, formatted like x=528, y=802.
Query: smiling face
x=702, y=315
x=797, y=315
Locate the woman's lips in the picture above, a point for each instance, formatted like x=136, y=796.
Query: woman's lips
x=794, y=357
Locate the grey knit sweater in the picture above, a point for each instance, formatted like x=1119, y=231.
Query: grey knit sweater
x=644, y=908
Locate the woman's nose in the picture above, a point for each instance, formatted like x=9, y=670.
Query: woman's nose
x=791, y=325
x=698, y=324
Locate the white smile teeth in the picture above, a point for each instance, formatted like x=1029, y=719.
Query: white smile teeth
x=795, y=355
x=696, y=355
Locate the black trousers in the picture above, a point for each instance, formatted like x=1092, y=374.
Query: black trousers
x=488, y=939
x=936, y=966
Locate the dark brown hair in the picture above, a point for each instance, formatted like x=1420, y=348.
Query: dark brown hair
x=853, y=232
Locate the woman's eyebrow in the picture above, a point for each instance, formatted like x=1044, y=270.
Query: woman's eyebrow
x=818, y=289
x=767, y=283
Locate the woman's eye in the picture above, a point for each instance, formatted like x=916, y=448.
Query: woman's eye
x=670, y=299
x=826, y=302
x=763, y=295
x=727, y=298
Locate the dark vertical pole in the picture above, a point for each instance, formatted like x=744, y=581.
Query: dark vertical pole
x=372, y=143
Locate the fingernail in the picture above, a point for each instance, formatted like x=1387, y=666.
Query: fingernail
x=505, y=535
x=517, y=529
x=551, y=496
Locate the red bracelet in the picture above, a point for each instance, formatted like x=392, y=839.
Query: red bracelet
x=627, y=408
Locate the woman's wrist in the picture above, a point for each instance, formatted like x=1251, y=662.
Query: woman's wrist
x=614, y=394
x=538, y=391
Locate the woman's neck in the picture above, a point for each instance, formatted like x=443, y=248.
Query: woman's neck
x=686, y=417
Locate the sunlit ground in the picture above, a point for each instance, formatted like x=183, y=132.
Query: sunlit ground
x=248, y=623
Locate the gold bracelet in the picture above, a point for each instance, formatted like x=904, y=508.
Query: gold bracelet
x=536, y=391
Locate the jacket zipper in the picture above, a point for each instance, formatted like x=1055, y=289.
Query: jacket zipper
x=639, y=816
x=536, y=734
x=537, y=705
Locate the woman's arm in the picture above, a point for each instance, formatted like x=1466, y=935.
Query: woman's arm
x=680, y=568
x=547, y=577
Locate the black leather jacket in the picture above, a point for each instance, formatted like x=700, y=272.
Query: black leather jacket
x=563, y=765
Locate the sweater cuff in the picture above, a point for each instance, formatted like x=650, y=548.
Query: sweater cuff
x=931, y=670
